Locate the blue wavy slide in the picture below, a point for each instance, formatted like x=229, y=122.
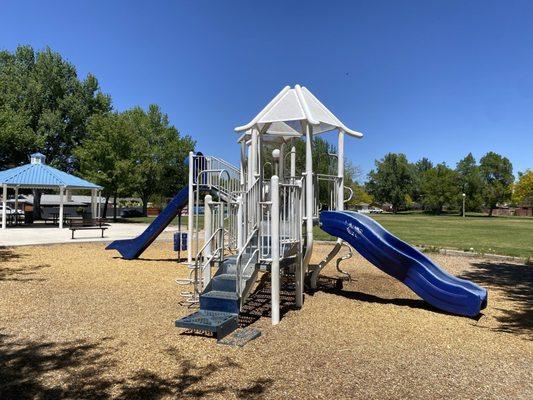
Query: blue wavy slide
x=405, y=263
x=133, y=248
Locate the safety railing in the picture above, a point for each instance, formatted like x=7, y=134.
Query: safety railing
x=249, y=249
x=326, y=192
x=265, y=231
x=207, y=173
x=251, y=199
x=204, y=259
x=290, y=216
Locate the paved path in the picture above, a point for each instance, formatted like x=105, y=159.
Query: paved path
x=48, y=234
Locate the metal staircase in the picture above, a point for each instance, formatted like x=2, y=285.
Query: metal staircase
x=221, y=300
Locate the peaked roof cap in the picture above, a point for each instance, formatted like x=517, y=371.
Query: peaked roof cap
x=284, y=113
x=39, y=175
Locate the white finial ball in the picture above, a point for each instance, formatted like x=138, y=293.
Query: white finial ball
x=275, y=154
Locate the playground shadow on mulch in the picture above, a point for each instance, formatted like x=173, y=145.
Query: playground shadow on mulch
x=259, y=304
x=516, y=283
x=330, y=285
x=87, y=371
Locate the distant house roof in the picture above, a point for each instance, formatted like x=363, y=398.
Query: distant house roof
x=37, y=174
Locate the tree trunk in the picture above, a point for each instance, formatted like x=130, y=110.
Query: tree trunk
x=115, y=208
x=104, y=216
x=37, y=193
x=144, y=199
x=490, y=211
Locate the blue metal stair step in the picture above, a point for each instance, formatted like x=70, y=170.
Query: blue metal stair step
x=219, y=323
x=225, y=282
x=218, y=300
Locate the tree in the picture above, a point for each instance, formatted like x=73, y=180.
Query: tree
x=392, y=180
x=440, y=188
x=497, y=173
x=106, y=156
x=44, y=107
x=159, y=154
x=523, y=189
x=470, y=182
x=419, y=171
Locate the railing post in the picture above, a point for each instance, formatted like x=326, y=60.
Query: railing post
x=240, y=222
x=208, y=232
x=190, y=208
x=274, y=187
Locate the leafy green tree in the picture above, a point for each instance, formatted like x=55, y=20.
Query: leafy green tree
x=392, y=180
x=497, y=172
x=523, y=189
x=159, y=154
x=470, y=182
x=440, y=188
x=419, y=171
x=44, y=107
x=107, y=158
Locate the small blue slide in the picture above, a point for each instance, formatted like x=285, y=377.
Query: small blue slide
x=405, y=263
x=133, y=248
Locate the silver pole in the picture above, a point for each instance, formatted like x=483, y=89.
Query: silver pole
x=274, y=190
x=340, y=170
x=208, y=233
x=309, y=194
x=190, y=207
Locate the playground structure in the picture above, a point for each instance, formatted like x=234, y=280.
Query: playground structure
x=255, y=222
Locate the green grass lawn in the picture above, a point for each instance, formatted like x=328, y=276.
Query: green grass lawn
x=511, y=236
x=499, y=235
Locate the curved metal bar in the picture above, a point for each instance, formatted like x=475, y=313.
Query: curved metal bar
x=351, y=194
x=345, y=257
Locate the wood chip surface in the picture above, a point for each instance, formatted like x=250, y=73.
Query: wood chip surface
x=78, y=322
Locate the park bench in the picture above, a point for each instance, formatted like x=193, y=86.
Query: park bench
x=87, y=224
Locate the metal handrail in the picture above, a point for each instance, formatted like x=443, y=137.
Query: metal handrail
x=206, y=243
x=238, y=261
x=205, y=264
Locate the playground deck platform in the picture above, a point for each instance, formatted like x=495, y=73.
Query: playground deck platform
x=79, y=322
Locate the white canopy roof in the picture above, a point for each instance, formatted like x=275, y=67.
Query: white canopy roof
x=285, y=112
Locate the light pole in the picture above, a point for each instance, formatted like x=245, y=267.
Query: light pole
x=464, y=197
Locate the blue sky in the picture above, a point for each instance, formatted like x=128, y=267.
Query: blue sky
x=426, y=78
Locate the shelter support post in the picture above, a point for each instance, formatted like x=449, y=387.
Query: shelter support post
x=61, y=201
x=99, y=209
x=275, y=249
x=93, y=203
x=4, y=206
x=16, y=198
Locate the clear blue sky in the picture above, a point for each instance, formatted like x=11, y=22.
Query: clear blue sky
x=426, y=78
